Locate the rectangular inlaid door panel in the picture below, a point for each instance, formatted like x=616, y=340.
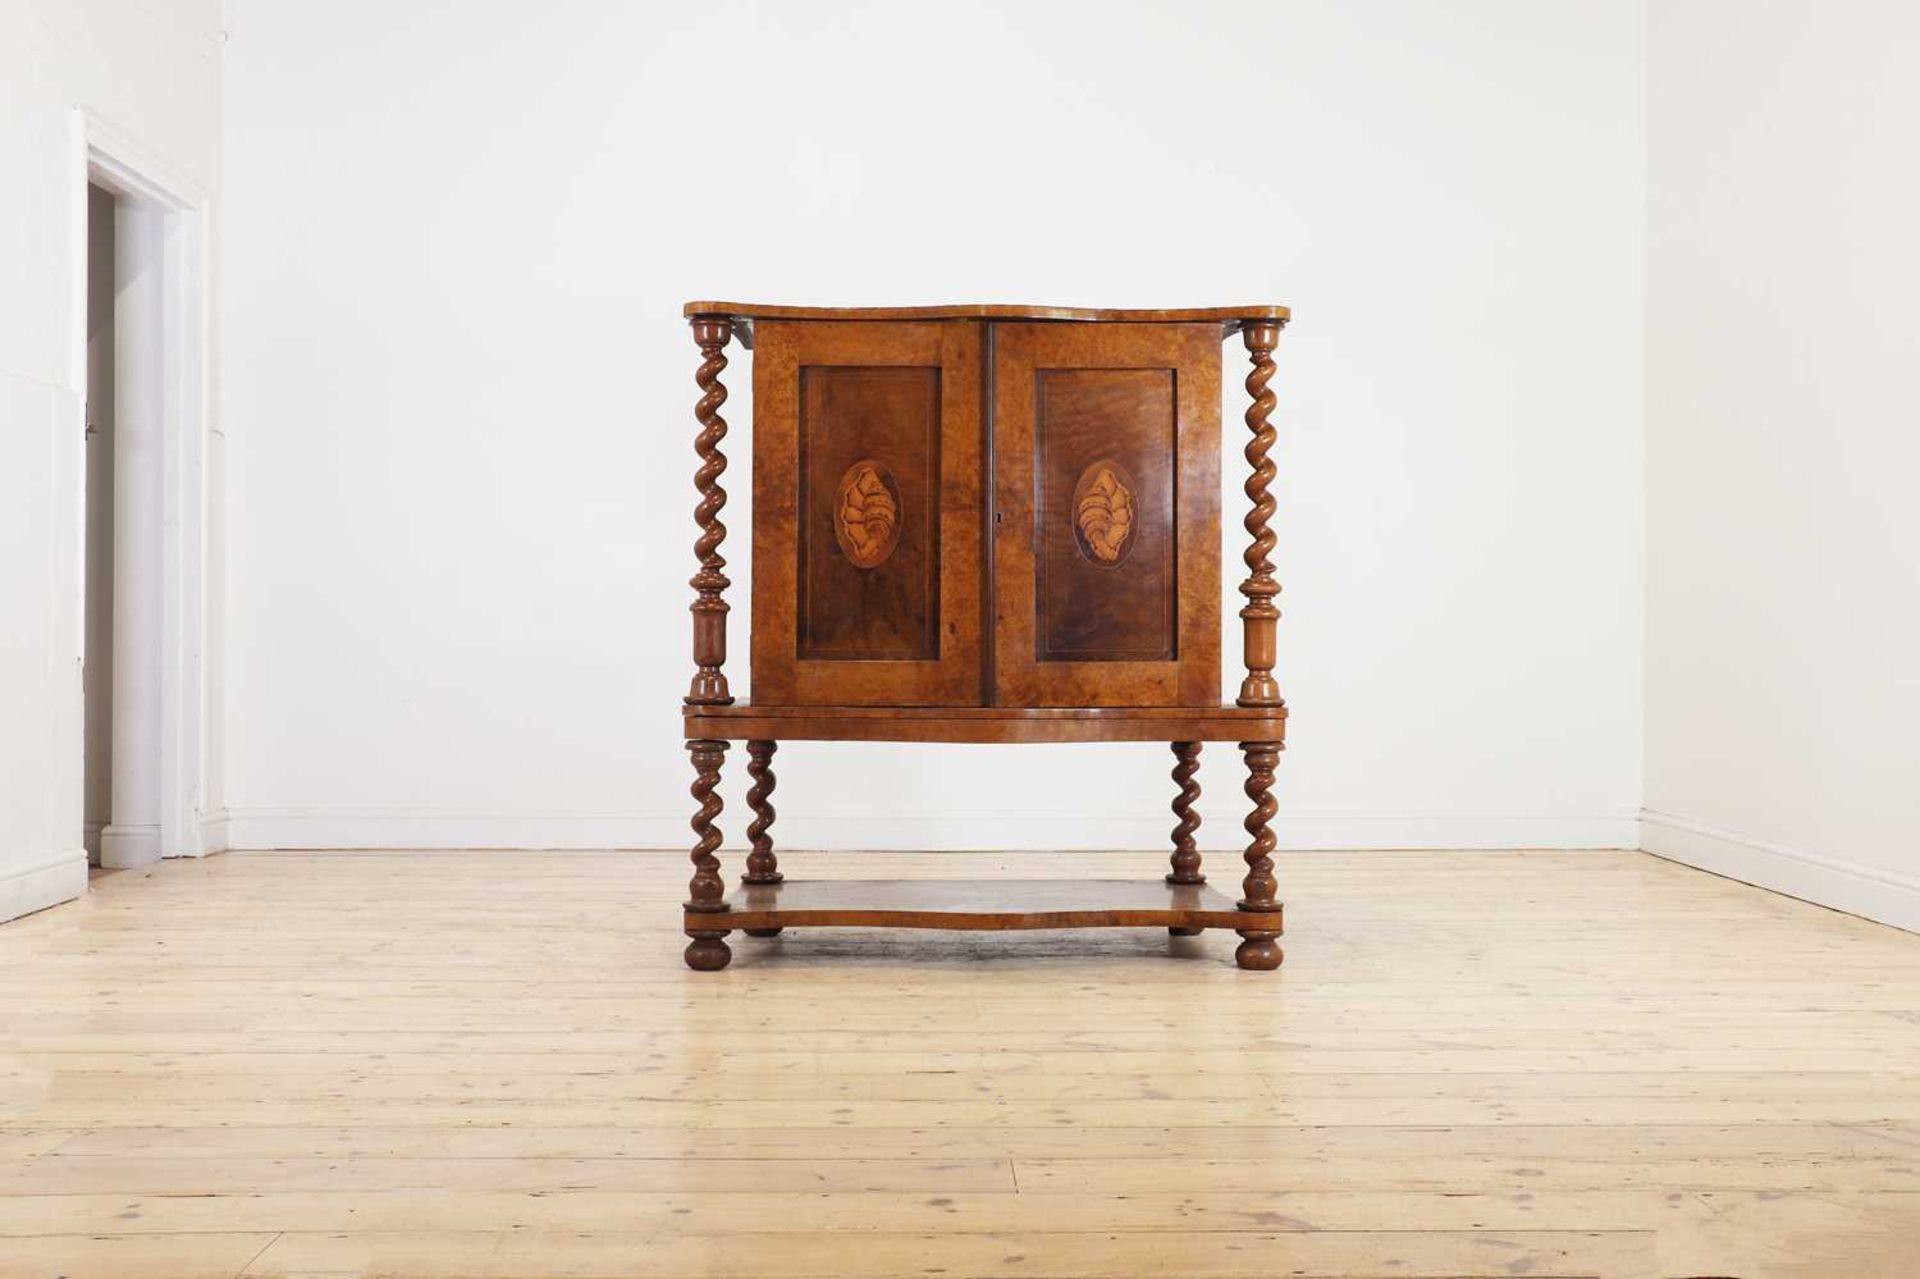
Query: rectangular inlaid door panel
x=1106, y=545
x=867, y=509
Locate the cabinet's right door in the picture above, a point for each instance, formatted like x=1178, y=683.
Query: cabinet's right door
x=1106, y=580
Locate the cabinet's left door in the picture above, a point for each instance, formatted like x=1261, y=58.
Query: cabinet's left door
x=867, y=505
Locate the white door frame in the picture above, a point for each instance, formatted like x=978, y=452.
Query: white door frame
x=107, y=157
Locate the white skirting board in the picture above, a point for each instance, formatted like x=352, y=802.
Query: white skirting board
x=1889, y=898
x=26, y=889
x=325, y=827
x=1885, y=896
x=213, y=832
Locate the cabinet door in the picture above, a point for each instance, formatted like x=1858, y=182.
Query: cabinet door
x=868, y=495
x=1107, y=514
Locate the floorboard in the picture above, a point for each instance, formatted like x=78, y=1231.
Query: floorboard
x=437, y=1064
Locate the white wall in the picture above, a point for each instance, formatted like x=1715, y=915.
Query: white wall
x=153, y=71
x=1783, y=424
x=460, y=390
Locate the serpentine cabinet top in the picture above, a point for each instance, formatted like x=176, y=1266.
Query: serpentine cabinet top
x=1230, y=318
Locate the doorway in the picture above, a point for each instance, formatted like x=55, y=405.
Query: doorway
x=143, y=501
x=96, y=662
x=125, y=423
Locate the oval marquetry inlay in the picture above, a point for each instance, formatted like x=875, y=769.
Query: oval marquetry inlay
x=1103, y=513
x=866, y=518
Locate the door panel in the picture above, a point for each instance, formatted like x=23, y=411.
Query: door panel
x=867, y=514
x=1105, y=583
x=1107, y=561
x=879, y=510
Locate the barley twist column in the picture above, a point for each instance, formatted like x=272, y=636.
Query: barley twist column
x=763, y=867
x=1261, y=948
x=1259, y=617
x=1186, y=852
x=709, y=687
x=707, y=892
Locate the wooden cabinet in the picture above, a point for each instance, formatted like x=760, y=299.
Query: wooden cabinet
x=983, y=524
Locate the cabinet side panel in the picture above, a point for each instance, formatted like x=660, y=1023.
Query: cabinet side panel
x=1107, y=531
x=869, y=513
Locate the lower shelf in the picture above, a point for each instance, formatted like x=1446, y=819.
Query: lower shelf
x=991, y=905
x=742, y=722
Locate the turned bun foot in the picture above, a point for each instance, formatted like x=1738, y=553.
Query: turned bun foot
x=1259, y=952
x=1185, y=932
x=709, y=954
x=764, y=932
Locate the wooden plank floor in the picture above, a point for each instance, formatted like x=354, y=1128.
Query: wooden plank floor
x=492, y=1064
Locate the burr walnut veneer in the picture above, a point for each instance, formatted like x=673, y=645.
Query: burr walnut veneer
x=984, y=524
